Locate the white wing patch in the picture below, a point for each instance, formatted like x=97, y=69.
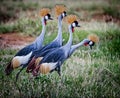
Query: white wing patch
x=47, y=67
x=51, y=65
x=23, y=59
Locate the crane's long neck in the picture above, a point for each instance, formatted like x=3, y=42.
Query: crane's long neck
x=59, y=35
x=40, y=38
x=74, y=47
x=69, y=43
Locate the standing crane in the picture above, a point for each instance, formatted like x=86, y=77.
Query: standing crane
x=53, y=60
x=22, y=57
x=60, y=11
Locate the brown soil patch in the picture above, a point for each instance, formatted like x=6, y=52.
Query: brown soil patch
x=105, y=18
x=14, y=40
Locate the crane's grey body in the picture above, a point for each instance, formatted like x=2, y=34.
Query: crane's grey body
x=59, y=55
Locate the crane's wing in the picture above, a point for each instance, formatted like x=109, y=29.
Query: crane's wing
x=36, y=56
x=43, y=53
x=26, y=50
x=54, y=56
x=49, y=46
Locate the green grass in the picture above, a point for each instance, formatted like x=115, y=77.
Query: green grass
x=10, y=9
x=86, y=74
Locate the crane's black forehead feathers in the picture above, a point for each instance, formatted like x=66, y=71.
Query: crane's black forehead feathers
x=76, y=22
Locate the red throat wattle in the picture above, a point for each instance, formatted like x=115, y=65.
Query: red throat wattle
x=45, y=22
x=72, y=29
x=85, y=44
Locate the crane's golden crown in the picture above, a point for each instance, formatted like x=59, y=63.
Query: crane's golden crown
x=44, y=12
x=59, y=9
x=71, y=18
x=93, y=38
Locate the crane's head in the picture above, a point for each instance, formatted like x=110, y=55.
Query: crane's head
x=60, y=11
x=45, y=14
x=72, y=20
x=92, y=39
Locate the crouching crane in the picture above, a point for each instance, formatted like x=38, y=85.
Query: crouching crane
x=36, y=57
x=22, y=57
x=90, y=41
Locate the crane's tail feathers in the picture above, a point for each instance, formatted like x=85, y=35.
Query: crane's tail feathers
x=44, y=68
x=8, y=69
x=37, y=61
x=34, y=62
x=31, y=65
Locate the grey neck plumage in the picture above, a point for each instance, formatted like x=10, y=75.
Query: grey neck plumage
x=39, y=40
x=69, y=43
x=59, y=35
x=74, y=47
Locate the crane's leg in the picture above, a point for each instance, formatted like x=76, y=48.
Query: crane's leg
x=59, y=68
x=17, y=75
x=59, y=71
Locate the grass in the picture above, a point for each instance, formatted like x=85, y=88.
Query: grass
x=10, y=9
x=86, y=74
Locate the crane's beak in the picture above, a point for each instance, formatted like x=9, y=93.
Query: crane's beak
x=65, y=15
x=51, y=18
x=78, y=25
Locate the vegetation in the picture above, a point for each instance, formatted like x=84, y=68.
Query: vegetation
x=86, y=74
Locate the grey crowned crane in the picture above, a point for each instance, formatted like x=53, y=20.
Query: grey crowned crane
x=90, y=41
x=56, y=43
x=22, y=57
x=53, y=60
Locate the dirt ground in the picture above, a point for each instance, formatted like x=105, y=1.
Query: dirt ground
x=14, y=40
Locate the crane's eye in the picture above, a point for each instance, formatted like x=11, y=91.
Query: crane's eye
x=91, y=43
x=64, y=14
x=48, y=16
x=75, y=24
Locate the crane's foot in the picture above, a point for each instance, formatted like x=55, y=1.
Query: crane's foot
x=58, y=71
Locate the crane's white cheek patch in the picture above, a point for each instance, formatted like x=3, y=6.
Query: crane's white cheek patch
x=90, y=43
x=37, y=61
x=44, y=69
x=73, y=24
x=15, y=63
